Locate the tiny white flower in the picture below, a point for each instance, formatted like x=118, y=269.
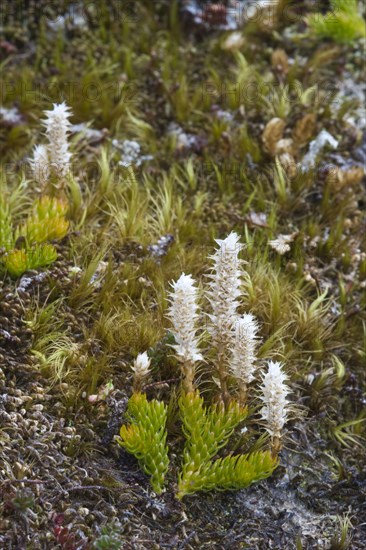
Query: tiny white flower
x=234, y=41
x=183, y=140
x=281, y=243
x=11, y=116
x=130, y=153
x=274, y=392
x=75, y=270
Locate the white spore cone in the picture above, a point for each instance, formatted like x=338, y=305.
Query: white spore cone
x=183, y=314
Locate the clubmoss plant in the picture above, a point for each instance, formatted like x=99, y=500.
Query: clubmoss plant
x=145, y=437
x=234, y=336
x=51, y=162
x=47, y=222
x=27, y=247
x=17, y=262
x=207, y=429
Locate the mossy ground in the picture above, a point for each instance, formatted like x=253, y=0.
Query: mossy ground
x=132, y=72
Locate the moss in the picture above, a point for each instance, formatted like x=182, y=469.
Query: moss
x=342, y=24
